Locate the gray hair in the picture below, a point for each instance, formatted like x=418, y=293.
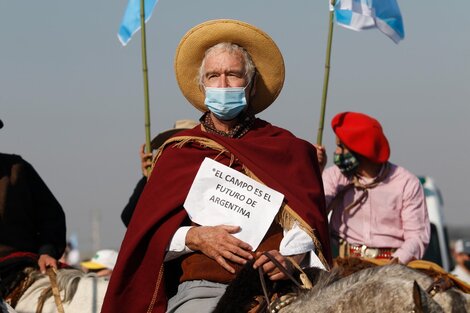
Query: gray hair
x=231, y=48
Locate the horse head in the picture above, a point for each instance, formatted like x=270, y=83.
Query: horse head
x=423, y=302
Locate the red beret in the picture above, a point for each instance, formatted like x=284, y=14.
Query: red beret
x=363, y=135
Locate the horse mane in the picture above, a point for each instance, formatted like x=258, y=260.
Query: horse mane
x=67, y=281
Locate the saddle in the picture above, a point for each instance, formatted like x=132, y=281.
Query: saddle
x=19, y=289
x=16, y=276
x=14, y=272
x=442, y=279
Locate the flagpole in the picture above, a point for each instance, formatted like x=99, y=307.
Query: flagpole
x=326, y=77
x=146, y=80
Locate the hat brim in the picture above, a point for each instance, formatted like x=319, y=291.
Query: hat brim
x=164, y=136
x=92, y=265
x=265, y=54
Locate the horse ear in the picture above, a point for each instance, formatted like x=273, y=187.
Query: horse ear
x=419, y=297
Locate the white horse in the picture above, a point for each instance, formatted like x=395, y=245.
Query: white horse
x=5, y=308
x=392, y=288
x=79, y=293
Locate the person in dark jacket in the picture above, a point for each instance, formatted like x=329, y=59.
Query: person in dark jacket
x=31, y=219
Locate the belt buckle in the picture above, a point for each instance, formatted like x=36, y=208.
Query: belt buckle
x=367, y=252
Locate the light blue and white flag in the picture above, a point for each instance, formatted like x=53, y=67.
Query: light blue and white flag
x=131, y=20
x=364, y=14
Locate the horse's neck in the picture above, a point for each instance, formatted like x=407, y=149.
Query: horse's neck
x=88, y=293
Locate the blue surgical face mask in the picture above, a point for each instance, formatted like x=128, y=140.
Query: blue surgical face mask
x=225, y=103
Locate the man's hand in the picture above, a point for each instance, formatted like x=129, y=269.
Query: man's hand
x=218, y=243
x=145, y=160
x=321, y=156
x=46, y=261
x=271, y=269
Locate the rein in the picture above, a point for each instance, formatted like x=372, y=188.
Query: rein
x=52, y=273
x=281, y=302
x=440, y=284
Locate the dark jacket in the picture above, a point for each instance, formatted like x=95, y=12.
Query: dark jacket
x=130, y=206
x=31, y=219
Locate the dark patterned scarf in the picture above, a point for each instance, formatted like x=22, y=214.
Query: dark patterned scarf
x=244, y=123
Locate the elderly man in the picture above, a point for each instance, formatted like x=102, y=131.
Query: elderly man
x=378, y=208
x=229, y=70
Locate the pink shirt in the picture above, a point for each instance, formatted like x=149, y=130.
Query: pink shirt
x=394, y=215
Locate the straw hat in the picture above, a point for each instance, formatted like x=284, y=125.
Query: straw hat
x=165, y=135
x=265, y=54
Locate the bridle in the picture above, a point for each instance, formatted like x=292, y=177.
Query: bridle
x=284, y=300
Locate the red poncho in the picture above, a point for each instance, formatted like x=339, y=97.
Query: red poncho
x=275, y=156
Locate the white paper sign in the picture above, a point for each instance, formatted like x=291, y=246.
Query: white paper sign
x=221, y=195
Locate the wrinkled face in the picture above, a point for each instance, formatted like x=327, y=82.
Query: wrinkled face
x=224, y=69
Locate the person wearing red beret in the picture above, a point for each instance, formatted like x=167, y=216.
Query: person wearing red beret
x=378, y=208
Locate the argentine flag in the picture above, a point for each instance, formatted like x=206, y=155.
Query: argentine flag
x=131, y=21
x=364, y=14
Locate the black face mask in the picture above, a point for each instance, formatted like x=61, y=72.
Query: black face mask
x=467, y=264
x=346, y=162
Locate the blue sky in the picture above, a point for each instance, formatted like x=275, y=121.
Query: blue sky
x=72, y=97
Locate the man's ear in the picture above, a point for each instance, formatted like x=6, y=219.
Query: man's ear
x=253, y=84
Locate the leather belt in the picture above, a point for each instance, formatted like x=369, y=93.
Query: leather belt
x=368, y=252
